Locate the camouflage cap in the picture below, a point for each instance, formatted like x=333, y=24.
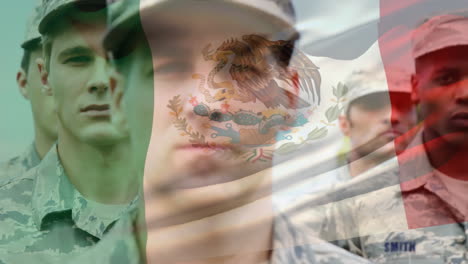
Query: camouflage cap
x=364, y=83
x=123, y=14
x=440, y=32
x=55, y=8
x=32, y=35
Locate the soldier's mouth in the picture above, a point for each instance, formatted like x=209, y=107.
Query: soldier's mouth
x=96, y=110
x=95, y=107
x=460, y=119
x=209, y=148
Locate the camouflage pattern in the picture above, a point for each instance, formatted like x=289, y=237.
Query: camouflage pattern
x=291, y=246
x=118, y=246
x=32, y=33
x=315, y=185
x=20, y=164
x=43, y=217
x=416, y=221
x=53, y=8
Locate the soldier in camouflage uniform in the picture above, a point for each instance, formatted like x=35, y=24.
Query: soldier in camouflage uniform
x=374, y=116
x=83, y=190
x=29, y=84
x=416, y=210
x=197, y=211
x=371, y=123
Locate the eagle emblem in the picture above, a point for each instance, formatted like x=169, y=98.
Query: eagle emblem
x=260, y=68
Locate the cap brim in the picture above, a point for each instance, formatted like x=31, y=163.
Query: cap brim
x=131, y=18
x=31, y=43
x=78, y=5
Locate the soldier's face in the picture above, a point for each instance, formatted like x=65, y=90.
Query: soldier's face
x=42, y=105
x=374, y=129
x=178, y=93
x=441, y=87
x=79, y=79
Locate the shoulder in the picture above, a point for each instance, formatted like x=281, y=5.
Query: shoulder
x=17, y=184
x=11, y=168
x=18, y=165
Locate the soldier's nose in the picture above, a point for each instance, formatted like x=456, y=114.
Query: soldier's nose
x=98, y=88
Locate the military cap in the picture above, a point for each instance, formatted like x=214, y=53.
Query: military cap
x=32, y=36
x=367, y=82
x=440, y=32
x=52, y=9
x=124, y=14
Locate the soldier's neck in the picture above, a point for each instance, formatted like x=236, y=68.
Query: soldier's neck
x=43, y=142
x=363, y=164
x=99, y=173
x=242, y=235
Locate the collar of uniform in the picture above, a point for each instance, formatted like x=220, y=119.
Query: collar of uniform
x=30, y=158
x=33, y=158
x=53, y=192
x=95, y=218
x=417, y=172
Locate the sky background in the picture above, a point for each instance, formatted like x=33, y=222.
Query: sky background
x=17, y=130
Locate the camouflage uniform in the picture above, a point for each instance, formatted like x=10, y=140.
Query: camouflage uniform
x=29, y=158
x=416, y=221
x=43, y=217
x=402, y=213
x=384, y=221
x=19, y=164
x=290, y=245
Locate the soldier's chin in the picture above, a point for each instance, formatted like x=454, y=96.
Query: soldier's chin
x=385, y=152
x=200, y=173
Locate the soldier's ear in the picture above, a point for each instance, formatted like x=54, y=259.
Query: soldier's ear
x=345, y=125
x=415, y=89
x=116, y=85
x=21, y=80
x=44, y=74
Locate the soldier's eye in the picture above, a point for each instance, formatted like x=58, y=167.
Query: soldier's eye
x=447, y=78
x=174, y=68
x=78, y=60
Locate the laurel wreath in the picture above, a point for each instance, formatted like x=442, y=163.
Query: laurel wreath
x=331, y=114
x=181, y=124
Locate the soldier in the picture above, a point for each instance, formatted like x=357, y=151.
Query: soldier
x=44, y=118
x=376, y=128
x=373, y=123
x=83, y=187
x=205, y=202
x=416, y=212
